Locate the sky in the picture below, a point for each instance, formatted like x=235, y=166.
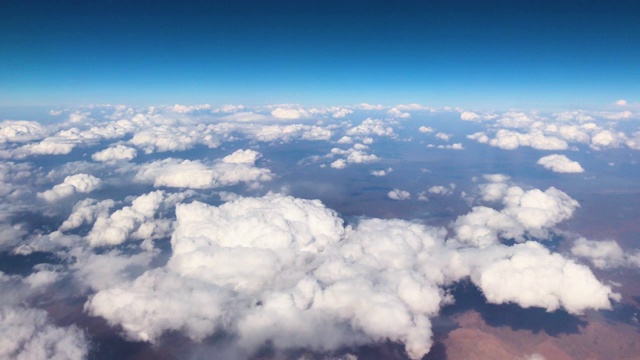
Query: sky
x=319, y=180
x=477, y=54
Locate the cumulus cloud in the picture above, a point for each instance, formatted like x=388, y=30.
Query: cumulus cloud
x=255, y=264
x=426, y=129
x=354, y=155
x=605, y=254
x=21, y=131
x=510, y=140
x=342, y=112
x=532, y=212
x=114, y=153
x=137, y=221
x=287, y=113
x=469, y=116
x=379, y=173
x=238, y=167
x=79, y=183
x=621, y=102
x=173, y=138
x=28, y=334
x=371, y=127
x=397, y=194
x=560, y=164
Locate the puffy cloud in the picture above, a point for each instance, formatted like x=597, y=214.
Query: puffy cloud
x=173, y=138
x=371, y=127
x=442, y=190
x=255, y=264
x=342, y=112
x=510, y=140
x=379, y=173
x=560, y=164
x=397, y=194
x=605, y=254
x=339, y=164
x=621, y=102
x=235, y=168
x=397, y=113
x=21, y=131
x=136, y=221
x=469, y=116
x=118, y=152
x=355, y=155
x=532, y=212
x=283, y=113
x=288, y=132
x=27, y=334
x=86, y=211
x=242, y=157
x=426, y=129
x=79, y=183
x=530, y=275
x=188, y=108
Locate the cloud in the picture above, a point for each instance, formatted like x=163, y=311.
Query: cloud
x=282, y=113
x=238, y=167
x=137, y=221
x=605, y=254
x=27, y=334
x=510, y=140
x=86, y=211
x=173, y=138
x=342, y=112
x=469, y=116
x=354, y=155
x=254, y=264
x=530, y=275
x=397, y=194
x=21, y=131
x=114, y=153
x=426, y=129
x=371, y=127
x=379, y=173
x=79, y=183
x=531, y=212
x=442, y=190
x=621, y=102
x=560, y=164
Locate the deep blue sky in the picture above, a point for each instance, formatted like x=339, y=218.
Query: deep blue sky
x=483, y=54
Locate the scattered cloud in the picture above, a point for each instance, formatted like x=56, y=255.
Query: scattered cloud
x=560, y=164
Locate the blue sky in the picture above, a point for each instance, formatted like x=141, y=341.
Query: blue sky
x=479, y=54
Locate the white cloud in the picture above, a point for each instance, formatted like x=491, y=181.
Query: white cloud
x=426, y=129
x=238, y=167
x=137, y=221
x=442, y=190
x=469, y=116
x=560, y=164
x=532, y=212
x=79, y=183
x=339, y=164
x=510, y=140
x=86, y=211
x=21, y=131
x=442, y=136
x=379, y=173
x=397, y=113
x=255, y=264
x=342, y=112
x=118, y=152
x=621, y=102
x=532, y=276
x=282, y=113
x=27, y=334
x=605, y=254
x=371, y=127
x=397, y=194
